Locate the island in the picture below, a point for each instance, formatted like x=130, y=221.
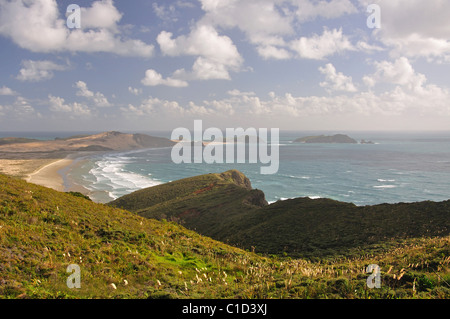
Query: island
x=338, y=138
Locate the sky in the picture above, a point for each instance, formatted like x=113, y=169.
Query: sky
x=334, y=65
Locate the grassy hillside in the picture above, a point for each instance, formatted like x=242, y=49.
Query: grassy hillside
x=233, y=212
x=123, y=255
x=211, y=204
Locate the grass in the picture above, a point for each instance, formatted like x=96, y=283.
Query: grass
x=226, y=208
x=43, y=231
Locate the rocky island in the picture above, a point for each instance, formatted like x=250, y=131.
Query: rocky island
x=338, y=138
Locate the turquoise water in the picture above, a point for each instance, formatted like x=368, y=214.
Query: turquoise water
x=399, y=167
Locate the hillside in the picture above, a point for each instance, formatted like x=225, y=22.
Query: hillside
x=216, y=205
x=43, y=231
x=16, y=140
x=212, y=204
x=122, y=255
x=338, y=138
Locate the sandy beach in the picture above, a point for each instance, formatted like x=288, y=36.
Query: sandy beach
x=49, y=175
x=49, y=172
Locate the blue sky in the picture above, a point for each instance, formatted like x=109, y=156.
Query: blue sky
x=289, y=64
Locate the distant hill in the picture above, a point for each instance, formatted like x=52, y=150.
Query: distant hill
x=107, y=141
x=226, y=208
x=16, y=140
x=338, y=138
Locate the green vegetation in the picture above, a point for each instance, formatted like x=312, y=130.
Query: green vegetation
x=226, y=208
x=338, y=138
x=123, y=255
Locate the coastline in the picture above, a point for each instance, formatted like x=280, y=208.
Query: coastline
x=55, y=174
x=49, y=175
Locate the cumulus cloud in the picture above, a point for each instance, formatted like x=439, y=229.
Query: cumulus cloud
x=399, y=72
x=20, y=109
x=216, y=54
x=319, y=47
x=308, y=10
x=38, y=27
x=101, y=15
x=152, y=106
x=272, y=22
x=97, y=98
x=415, y=28
x=273, y=52
x=400, y=101
x=134, y=91
x=336, y=81
x=35, y=71
x=58, y=104
x=4, y=90
x=153, y=78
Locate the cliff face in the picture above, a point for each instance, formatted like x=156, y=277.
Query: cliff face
x=238, y=178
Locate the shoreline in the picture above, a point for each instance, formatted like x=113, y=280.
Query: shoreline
x=55, y=175
x=49, y=175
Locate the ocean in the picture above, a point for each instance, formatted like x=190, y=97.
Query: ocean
x=398, y=167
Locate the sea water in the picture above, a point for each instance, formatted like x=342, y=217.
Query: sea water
x=398, y=167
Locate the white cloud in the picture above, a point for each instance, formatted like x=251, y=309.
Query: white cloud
x=153, y=106
x=20, y=109
x=134, y=91
x=336, y=81
x=319, y=47
x=272, y=52
x=153, y=78
x=268, y=24
x=165, y=13
x=97, y=98
x=363, y=46
x=266, y=19
x=216, y=54
x=414, y=28
x=205, y=69
x=57, y=104
x=399, y=72
x=236, y=92
x=309, y=10
x=265, y=28
x=38, y=27
x=101, y=15
x=35, y=71
x=4, y=90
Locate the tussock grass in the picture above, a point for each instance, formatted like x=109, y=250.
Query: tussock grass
x=123, y=255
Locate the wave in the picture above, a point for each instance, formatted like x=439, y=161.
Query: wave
x=384, y=186
x=296, y=177
x=385, y=180
x=111, y=175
